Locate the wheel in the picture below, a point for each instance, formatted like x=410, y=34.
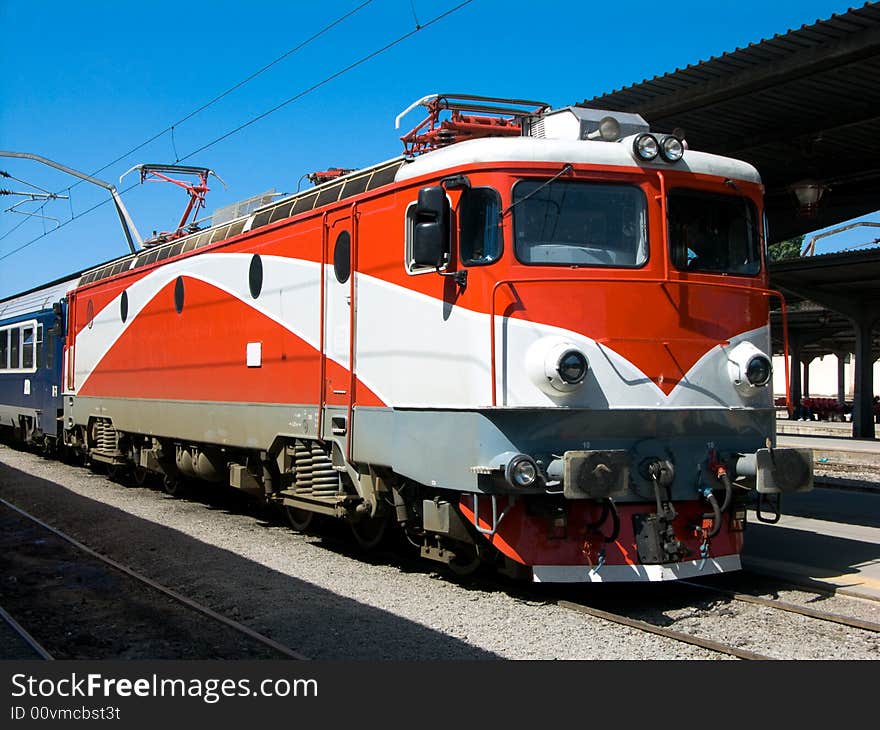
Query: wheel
x=299, y=519
x=467, y=560
x=139, y=475
x=172, y=486
x=369, y=531
x=116, y=472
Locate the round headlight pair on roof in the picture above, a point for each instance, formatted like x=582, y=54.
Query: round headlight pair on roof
x=647, y=147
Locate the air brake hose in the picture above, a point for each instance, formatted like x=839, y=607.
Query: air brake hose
x=608, y=507
x=602, y=517
x=615, y=519
x=716, y=520
x=728, y=488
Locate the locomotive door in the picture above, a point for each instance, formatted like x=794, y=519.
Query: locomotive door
x=339, y=292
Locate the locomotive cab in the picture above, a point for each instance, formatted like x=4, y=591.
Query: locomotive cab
x=629, y=354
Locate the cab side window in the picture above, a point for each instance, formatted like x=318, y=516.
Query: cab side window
x=480, y=241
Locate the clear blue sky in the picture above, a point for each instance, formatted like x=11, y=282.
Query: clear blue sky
x=83, y=82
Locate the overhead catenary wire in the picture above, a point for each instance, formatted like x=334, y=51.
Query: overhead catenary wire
x=330, y=78
x=61, y=225
x=4, y=173
x=200, y=109
x=170, y=128
x=286, y=102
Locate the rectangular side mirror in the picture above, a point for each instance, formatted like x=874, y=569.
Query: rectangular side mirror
x=430, y=245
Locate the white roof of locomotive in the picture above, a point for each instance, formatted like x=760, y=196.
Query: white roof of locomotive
x=531, y=149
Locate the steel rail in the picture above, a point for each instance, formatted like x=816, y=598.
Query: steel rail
x=188, y=602
x=855, y=623
x=661, y=631
x=23, y=633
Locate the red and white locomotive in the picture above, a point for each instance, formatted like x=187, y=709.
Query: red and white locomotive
x=539, y=338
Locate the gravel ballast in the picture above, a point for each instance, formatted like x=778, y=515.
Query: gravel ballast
x=318, y=596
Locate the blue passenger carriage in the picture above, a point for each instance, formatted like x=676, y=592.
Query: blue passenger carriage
x=31, y=354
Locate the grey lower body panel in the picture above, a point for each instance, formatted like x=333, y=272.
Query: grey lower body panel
x=450, y=448
x=240, y=425
x=9, y=415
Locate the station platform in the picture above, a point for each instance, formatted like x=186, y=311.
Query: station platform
x=832, y=443
x=832, y=534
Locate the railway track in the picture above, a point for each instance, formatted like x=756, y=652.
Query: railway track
x=621, y=618
x=693, y=640
x=192, y=605
x=21, y=635
x=779, y=605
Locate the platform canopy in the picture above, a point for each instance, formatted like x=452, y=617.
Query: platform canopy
x=826, y=295
x=803, y=107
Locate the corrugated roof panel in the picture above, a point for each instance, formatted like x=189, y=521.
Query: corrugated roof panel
x=768, y=50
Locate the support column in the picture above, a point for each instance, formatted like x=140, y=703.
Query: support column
x=841, y=377
x=863, y=398
x=794, y=346
x=807, y=361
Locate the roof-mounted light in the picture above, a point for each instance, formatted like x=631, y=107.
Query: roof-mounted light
x=671, y=149
x=646, y=147
x=608, y=130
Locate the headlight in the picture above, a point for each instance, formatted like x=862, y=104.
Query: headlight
x=521, y=471
x=671, y=149
x=749, y=369
x=608, y=130
x=572, y=366
x=646, y=147
x=759, y=370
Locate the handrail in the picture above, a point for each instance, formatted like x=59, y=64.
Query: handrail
x=322, y=396
x=616, y=280
x=352, y=329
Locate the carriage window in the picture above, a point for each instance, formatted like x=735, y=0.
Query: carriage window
x=480, y=234
x=4, y=349
x=27, y=347
x=39, y=356
x=580, y=224
x=713, y=232
x=14, y=348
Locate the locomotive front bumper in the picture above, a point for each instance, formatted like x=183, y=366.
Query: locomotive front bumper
x=598, y=474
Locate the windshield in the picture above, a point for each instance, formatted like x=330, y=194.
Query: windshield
x=713, y=232
x=580, y=224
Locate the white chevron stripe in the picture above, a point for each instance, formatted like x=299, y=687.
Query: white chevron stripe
x=416, y=351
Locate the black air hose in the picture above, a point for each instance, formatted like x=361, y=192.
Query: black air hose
x=728, y=488
x=716, y=520
x=608, y=507
x=615, y=518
